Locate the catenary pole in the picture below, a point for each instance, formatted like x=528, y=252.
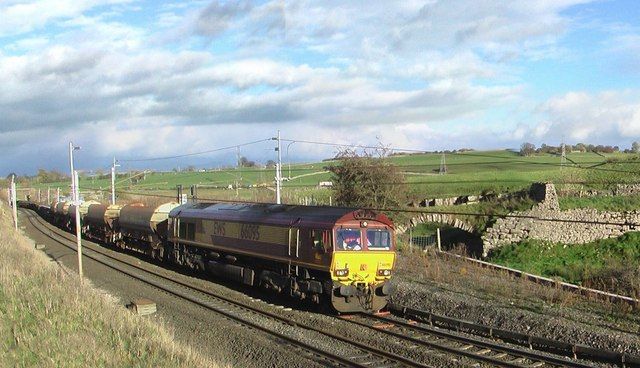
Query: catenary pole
x=278, y=171
x=73, y=184
x=76, y=201
x=14, y=208
x=113, y=181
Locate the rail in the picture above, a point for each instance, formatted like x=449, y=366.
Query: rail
x=532, y=342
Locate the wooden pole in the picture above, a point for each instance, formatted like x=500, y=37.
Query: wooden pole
x=439, y=245
x=410, y=240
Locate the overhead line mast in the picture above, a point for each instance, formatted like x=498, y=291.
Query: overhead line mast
x=278, y=170
x=113, y=181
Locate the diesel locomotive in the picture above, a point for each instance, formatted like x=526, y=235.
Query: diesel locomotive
x=327, y=255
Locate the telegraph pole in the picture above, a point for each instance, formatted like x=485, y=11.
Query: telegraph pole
x=76, y=201
x=113, y=181
x=278, y=172
x=14, y=208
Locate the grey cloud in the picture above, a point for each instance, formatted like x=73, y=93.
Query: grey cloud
x=218, y=16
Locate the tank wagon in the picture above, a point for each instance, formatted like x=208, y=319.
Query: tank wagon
x=144, y=229
x=83, y=209
x=61, y=214
x=327, y=255
x=101, y=223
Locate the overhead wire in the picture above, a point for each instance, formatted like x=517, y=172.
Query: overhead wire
x=194, y=153
x=399, y=210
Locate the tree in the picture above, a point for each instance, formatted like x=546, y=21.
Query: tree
x=365, y=181
x=527, y=149
x=270, y=164
x=635, y=147
x=244, y=162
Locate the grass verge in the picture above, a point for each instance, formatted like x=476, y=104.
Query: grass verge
x=602, y=203
x=609, y=264
x=49, y=319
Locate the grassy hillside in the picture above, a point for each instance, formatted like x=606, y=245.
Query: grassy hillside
x=47, y=319
x=467, y=173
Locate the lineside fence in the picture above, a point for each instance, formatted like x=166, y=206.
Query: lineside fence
x=597, y=294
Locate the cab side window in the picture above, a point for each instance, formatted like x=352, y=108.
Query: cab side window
x=321, y=240
x=187, y=230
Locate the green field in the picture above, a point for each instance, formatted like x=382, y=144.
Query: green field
x=468, y=173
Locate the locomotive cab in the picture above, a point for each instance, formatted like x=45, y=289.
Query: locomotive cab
x=362, y=264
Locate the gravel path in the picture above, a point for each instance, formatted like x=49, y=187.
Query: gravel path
x=484, y=297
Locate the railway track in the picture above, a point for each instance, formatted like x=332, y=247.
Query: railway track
x=480, y=350
x=356, y=355
x=411, y=335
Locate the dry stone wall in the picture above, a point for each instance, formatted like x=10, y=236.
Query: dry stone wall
x=627, y=189
x=545, y=221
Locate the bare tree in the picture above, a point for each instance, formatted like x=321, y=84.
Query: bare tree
x=366, y=181
x=527, y=149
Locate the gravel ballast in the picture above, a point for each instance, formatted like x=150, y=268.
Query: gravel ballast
x=485, y=297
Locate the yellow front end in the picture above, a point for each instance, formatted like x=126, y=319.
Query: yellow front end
x=360, y=280
x=358, y=267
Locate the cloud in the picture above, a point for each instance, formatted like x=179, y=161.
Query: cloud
x=23, y=16
x=610, y=117
x=419, y=74
x=218, y=16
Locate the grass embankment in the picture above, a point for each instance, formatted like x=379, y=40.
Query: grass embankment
x=608, y=264
x=47, y=318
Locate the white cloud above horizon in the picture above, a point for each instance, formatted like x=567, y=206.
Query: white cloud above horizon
x=192, y=76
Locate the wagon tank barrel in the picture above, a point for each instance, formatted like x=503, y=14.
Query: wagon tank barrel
x=102, y=215
x=144, y=219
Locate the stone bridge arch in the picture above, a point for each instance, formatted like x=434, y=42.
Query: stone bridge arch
x=442, y=218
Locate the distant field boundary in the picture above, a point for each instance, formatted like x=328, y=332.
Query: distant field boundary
x=545, y=281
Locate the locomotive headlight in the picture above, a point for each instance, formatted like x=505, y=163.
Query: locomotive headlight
x=342, y=272
x=384, y=272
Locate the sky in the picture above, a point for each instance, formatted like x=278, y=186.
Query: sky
x=146, y=79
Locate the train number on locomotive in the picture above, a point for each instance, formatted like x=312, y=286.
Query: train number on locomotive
x=219, y=228
x=250, y=231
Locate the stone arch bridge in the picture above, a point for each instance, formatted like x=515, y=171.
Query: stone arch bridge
x=442, y=218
